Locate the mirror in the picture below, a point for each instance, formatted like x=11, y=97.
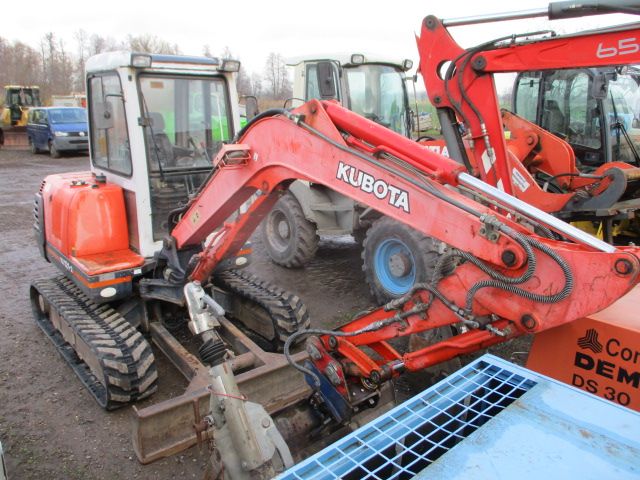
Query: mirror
x=251, y=106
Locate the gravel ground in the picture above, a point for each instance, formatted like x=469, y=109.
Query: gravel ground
x=50, y=427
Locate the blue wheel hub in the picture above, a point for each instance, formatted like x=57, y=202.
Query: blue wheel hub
x=394, y=266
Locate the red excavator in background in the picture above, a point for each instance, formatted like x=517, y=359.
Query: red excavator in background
x=532, y=165
x=578, y=140
x=153, y=236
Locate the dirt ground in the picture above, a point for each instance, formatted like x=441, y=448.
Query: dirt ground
x=50, y=427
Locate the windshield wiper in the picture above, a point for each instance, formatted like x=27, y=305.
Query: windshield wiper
x=146, y=123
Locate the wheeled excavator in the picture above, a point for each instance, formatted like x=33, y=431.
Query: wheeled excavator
x=154, y=236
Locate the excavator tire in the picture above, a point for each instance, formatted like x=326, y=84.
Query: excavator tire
x=290, y=239
x=111, y=358
x=395, y=257
x=285, y=311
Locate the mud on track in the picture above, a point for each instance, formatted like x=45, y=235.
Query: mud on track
x=50, y=427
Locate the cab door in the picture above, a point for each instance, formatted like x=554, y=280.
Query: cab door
x=42, y=129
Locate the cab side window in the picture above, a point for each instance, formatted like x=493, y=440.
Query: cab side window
x=312, y=90
x=109, y=134
x=527, y=94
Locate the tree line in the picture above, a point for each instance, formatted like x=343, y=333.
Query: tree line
x=59, y=70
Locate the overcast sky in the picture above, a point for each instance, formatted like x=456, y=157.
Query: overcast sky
x=252, y=29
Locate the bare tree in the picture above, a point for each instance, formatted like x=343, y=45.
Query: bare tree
x=243, y=82
x=100, y=44
x=82, y=53
x=226, y=53
x=20, y=64
x=57, y=66
x=151, y=44
x=60, y=70
x=256, y=84
x=275, y=71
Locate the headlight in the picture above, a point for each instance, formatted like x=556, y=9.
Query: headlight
x=140, y=60
x=230, y=65
x=61, y=134
x=357, y=59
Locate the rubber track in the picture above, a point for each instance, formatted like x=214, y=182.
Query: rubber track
x=128, y=365
x=288, y=313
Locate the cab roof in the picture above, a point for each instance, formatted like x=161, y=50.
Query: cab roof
x=345, y=59
x=112, y=60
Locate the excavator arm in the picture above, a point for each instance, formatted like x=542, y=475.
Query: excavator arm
x=498, y=279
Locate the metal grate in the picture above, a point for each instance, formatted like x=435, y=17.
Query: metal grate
x=408, y=438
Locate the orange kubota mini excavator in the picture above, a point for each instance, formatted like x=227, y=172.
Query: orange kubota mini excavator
x=132, y=256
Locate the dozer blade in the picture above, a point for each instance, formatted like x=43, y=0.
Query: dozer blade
x=264, y=316
x=15, y=138
x=167, y=428
x=111, y=358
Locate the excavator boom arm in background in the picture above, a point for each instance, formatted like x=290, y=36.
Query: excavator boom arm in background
x=499, y=279
x=461, y=86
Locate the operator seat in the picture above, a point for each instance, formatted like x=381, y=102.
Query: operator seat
x=160, y=142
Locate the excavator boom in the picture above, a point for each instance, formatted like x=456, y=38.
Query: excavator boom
x=461, y=85
x=498, y=280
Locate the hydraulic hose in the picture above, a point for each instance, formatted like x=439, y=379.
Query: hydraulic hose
x=336, y=333
x=508, y=284
x=272, y=112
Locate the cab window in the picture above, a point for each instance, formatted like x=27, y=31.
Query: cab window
x=622, y=106
x=313, y=91
x=583, y=122
x=187, y=120
x=527, y=94
x=109, y=135
x=377, y=92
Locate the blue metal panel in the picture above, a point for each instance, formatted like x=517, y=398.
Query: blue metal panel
x=532, y=427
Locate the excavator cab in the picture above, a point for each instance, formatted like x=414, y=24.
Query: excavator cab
x=597, y=111
x=372, y=87
x=155, y=123
x=185, y=109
